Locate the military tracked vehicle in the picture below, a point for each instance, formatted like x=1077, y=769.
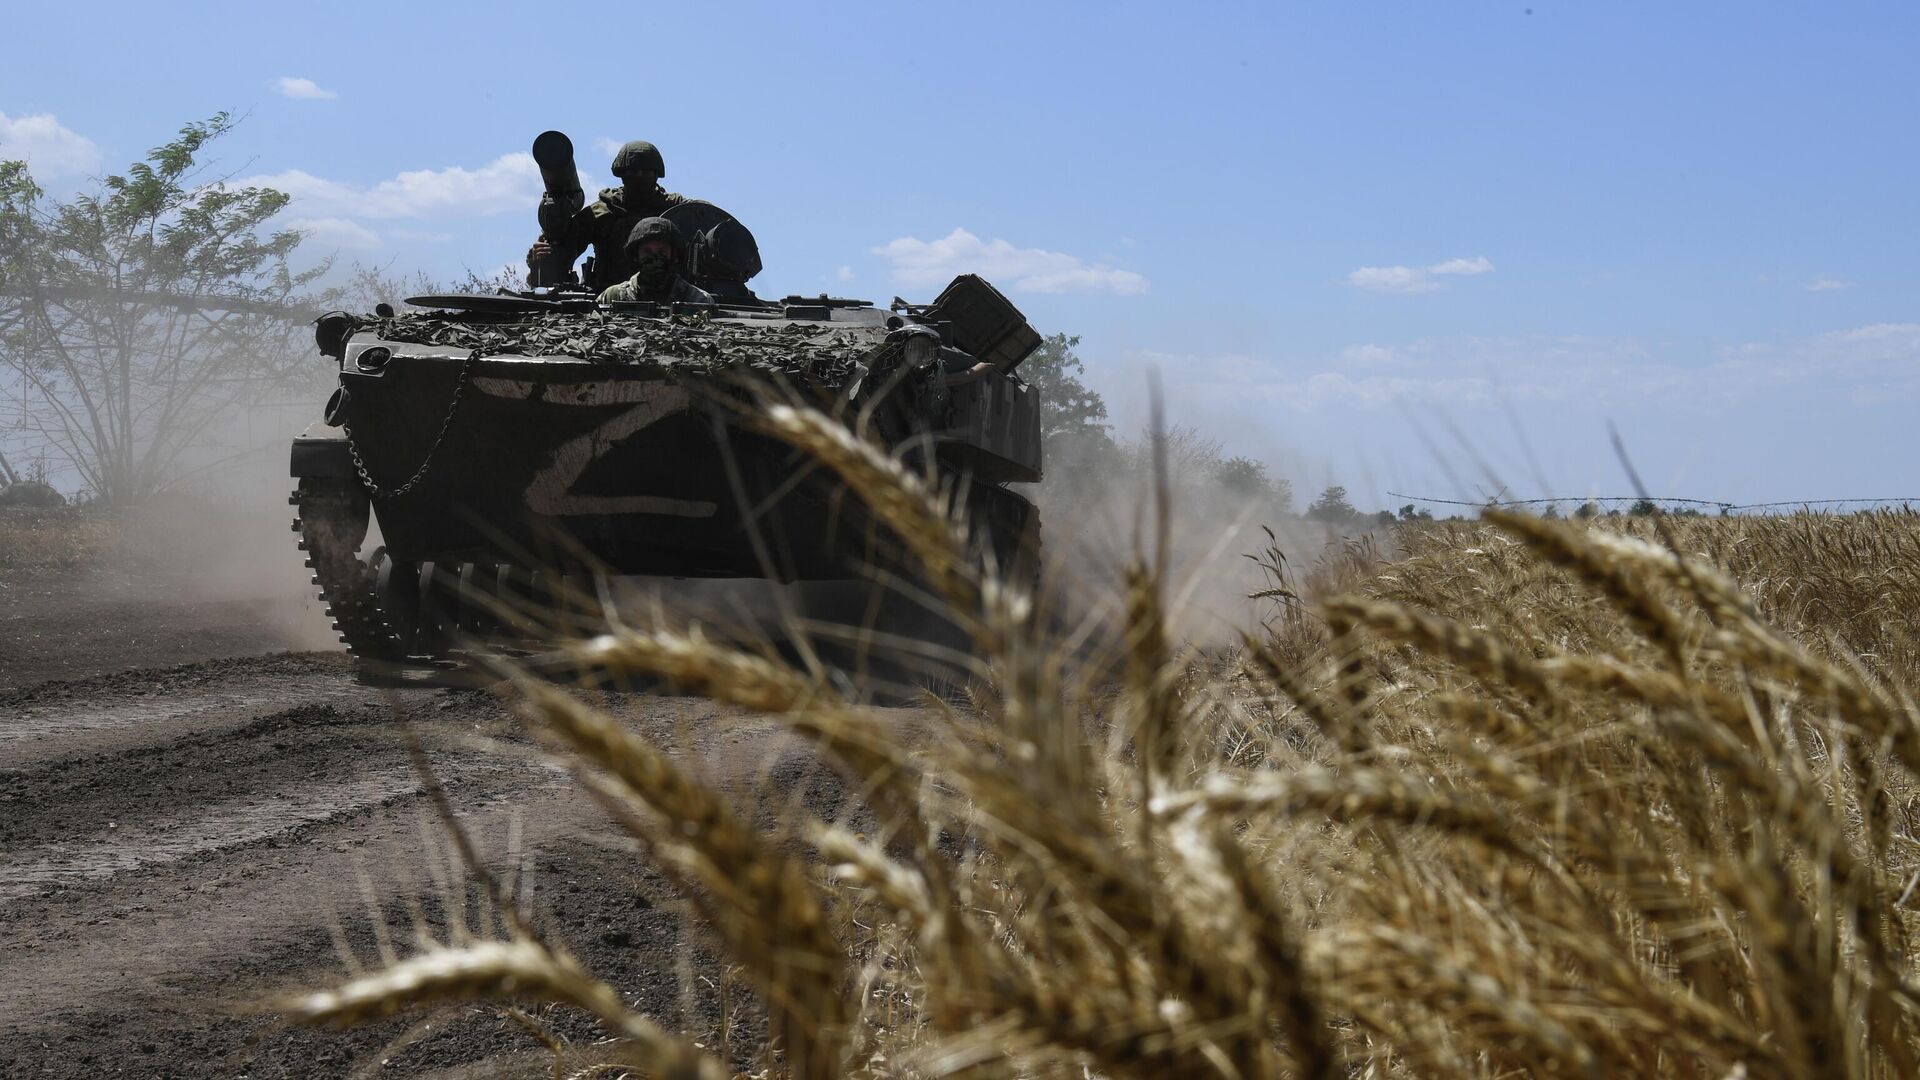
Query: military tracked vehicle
x=502, y=445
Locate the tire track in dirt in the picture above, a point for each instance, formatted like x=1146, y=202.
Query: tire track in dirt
x=172, y=845
x=137, y=708
x=221, y=825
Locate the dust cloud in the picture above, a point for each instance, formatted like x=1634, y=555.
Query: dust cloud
x=1095, y=521
x=208, y=568
x=214, y=566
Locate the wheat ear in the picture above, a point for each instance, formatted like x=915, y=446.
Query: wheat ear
x=760, y=901
x=493, y=970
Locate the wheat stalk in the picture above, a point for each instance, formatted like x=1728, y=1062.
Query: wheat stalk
x=496, y=970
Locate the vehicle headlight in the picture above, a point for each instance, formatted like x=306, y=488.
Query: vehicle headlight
x=330, y=333
x=922, y=348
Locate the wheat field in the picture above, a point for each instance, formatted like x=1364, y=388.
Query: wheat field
x=1630, y=797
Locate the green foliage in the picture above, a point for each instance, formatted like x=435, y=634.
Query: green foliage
x=1248, y=479
x=367, y=286
x=134, y=315
x=1070, y=412
x=1082, y=453
x=1332, y=507
x=1644, y=508
x=1243, y=476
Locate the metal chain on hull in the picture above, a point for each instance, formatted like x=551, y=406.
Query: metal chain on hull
x=446, y=425
x=331, y=529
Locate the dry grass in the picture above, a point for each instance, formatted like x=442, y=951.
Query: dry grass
x=164, y=533
x=55, y=538
x=1530, y=799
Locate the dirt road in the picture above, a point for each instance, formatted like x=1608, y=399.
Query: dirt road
x=175, y=844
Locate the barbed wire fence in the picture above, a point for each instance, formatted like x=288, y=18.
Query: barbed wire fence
x=1664, y=503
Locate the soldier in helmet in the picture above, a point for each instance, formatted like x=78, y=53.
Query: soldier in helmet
x=657, y=251
x=606, y=223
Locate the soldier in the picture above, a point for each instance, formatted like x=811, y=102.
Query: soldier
x=657, y=251
x=607, y=222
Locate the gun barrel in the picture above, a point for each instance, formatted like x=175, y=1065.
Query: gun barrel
x=553, y=152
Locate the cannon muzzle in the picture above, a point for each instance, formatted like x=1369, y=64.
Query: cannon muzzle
x=553, y=153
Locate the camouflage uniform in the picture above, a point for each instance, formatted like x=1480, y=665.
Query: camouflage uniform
x=681, y=291
x=608, y=221
x=604, y=224
x=656, y=277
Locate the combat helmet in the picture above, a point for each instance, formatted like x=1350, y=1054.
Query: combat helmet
x=656, y=228
x=639, y=154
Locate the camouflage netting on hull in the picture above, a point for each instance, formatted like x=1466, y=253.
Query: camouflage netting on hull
x=816, y=353
x=821, y=357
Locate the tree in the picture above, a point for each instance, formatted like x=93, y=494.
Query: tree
x=1332, y=507
x=1243, y=476
x=133, y=317
x=367, y=286
x=1069, y=412
x=1247, y=478
x=1644, y=508
x=1191, y=455
x=1587, y=510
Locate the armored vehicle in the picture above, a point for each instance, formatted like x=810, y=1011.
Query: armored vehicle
x=505, y=444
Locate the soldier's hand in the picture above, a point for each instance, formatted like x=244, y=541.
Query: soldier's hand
x=539, y=252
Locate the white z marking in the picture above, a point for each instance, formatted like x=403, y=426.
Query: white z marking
x=550, y=491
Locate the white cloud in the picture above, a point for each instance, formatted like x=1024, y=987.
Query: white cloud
x=509, y=182
x=1440, y=416
x=1369, y=356
x=301, y=89
x=1467, y=373
x=1873, y=364
x=1902, y=338
x=336, y=232
x=919, y=263
x=1400, y=279
x=845, y=273
x=607, y=146
x=1479, y=264
x=1333, y=388
x=1827, y=284
x=507, y=271
x=1417, y=279
x=422, y=236
x=52, y=150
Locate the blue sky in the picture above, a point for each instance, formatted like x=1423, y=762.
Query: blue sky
x=1402, y=246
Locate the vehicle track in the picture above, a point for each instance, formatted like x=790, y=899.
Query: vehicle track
x=173, y=845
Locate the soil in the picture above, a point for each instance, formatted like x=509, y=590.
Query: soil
x=62, y=623
x=192, y=818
